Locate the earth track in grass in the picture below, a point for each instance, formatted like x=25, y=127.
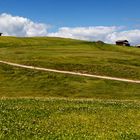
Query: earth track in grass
x=69, y=72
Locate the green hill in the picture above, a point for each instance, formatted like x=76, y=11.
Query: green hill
x=48, y=105
x=71, y=55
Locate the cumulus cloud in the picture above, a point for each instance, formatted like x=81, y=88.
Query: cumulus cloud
x=20, y=26
x=86, y=33
x=104, y=33
x=132, y=35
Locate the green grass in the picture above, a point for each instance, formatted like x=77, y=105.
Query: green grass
x=44, y=105
x=69, y=119
x=19, y=82
x=73, y=55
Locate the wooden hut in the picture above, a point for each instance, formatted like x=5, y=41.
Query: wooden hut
x=122, y=43
x=100, y=42
x=138, y=46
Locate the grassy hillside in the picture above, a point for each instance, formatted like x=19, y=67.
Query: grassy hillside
x=18, y=82
x=44, y=105
x=72, y=55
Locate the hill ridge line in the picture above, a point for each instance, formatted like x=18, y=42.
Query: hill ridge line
x=71, y=73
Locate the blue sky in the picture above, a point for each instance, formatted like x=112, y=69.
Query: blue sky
x=76, y=13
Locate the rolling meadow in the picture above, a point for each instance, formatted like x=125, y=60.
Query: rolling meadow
x=46, y=105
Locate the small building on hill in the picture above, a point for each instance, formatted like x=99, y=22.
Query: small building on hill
x=100, y=42
x=0, y=34
x=122, y=43
x=138, y=46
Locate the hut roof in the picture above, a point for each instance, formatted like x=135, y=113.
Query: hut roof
x=122, y=41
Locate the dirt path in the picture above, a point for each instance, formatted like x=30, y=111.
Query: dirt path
x=71, y=73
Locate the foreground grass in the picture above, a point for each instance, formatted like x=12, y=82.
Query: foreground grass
x=69, y=119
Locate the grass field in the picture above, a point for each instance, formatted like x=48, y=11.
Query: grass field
x=66, y=119
x=18, y=82
x=45, y=105
x=73, y=55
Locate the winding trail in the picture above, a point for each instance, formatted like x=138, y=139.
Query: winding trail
x=71, y=73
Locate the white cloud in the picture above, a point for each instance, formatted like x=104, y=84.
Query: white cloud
x=108, y=34
x=85, y=33
x=19, y=26
x=133, y=36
